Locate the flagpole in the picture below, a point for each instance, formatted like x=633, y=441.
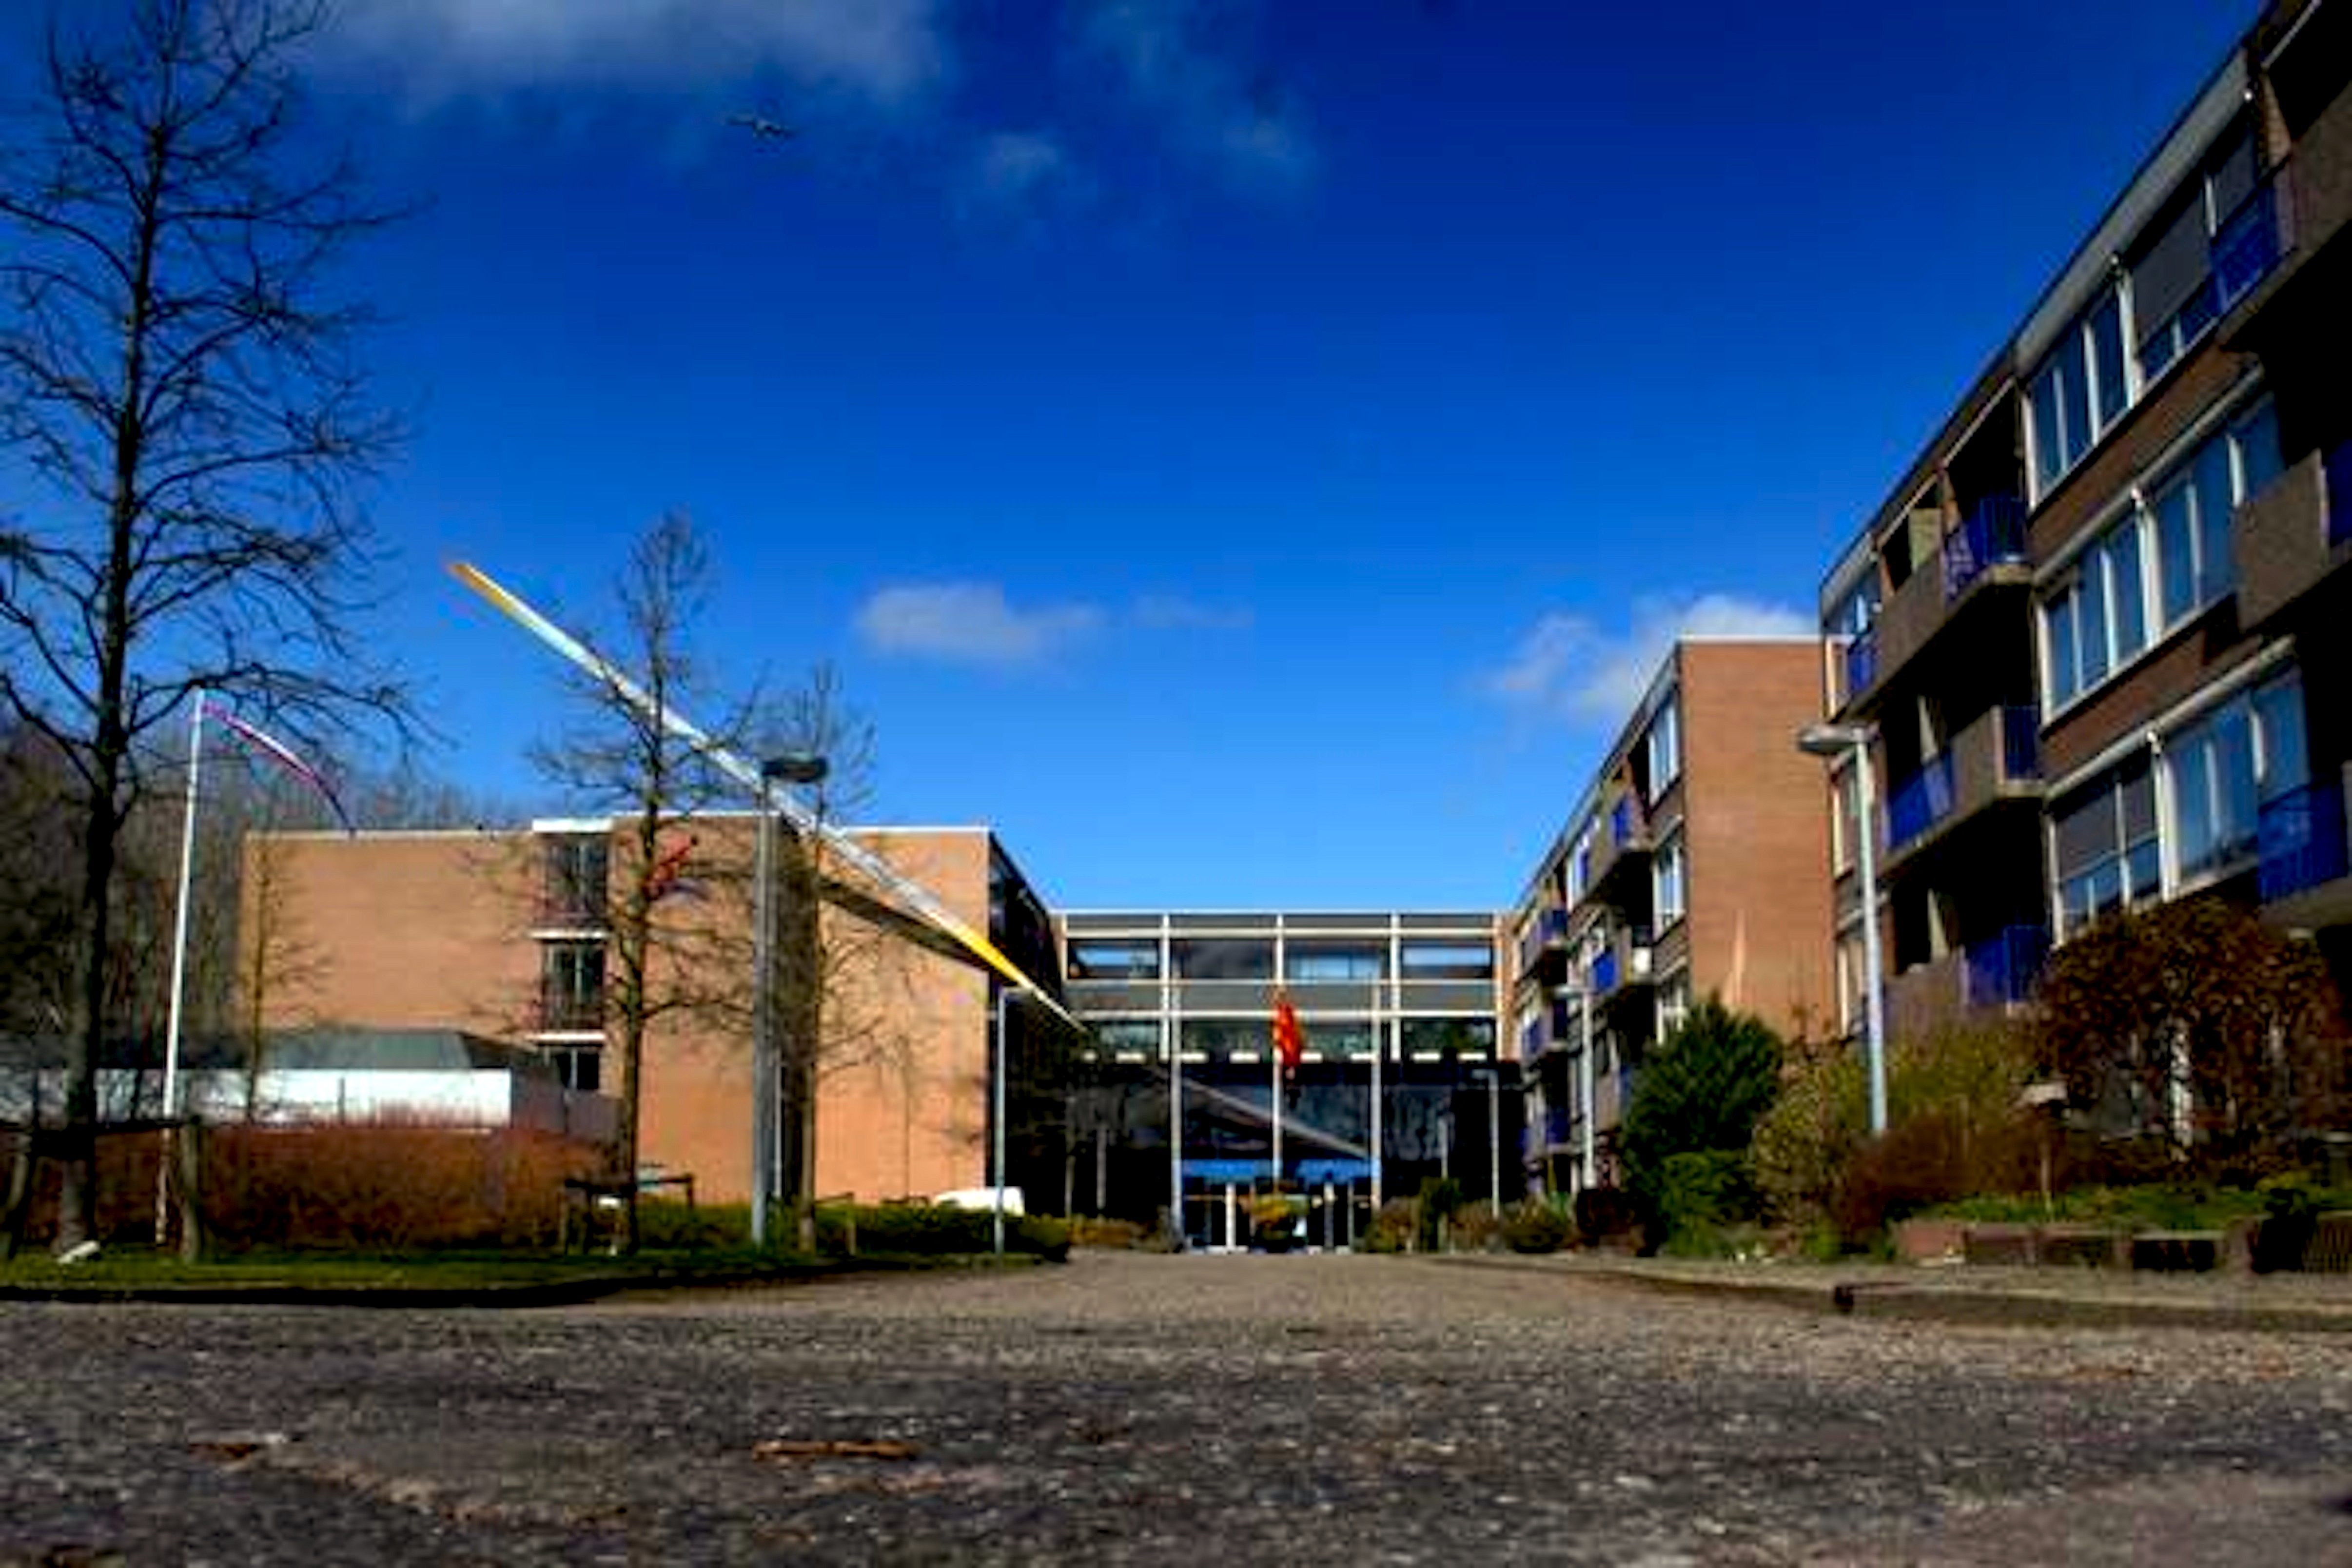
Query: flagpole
x=179, y=961
x=1274, y=1083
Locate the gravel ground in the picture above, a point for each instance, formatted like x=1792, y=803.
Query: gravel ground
x=1143, y=1409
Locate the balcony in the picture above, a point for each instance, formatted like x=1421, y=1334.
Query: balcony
x=2247, y=246
x=2303, y=841
x=1532, y=1041
x=2001, y=970
x=1559, y=1128
x=1993, y=535
x=1624, y=965
x=2292, y=533
x=1861, y=664
x=1624, y=843
x=1996, y=756
x=1543, y=948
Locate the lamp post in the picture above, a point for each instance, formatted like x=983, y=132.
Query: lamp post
x=1833, y=741
x=797, y=768
x=1493, y=1080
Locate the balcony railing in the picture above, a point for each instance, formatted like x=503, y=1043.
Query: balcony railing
x=1993, y=535
x=2021, y=742
x=1963, y=773
x=1920, y=802
x=1604, y=973
x=2339, y=493
x=1861, y=663
x=1559, y=1127
x=2301, y=837
x=2246, y=247
x=1628, y=828
x=1549, y=930
x=2002, y=969
x=1531, y=1041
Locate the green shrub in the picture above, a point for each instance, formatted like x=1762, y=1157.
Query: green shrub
x=1441, y=1200
x=1703, y=1088
x=930, y=1231
x=1476, y=1228
x=1392, y=1229
x=1537, y=1226
x=1703, y=1191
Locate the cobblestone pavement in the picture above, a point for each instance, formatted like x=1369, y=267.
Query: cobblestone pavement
x=1207, y=1410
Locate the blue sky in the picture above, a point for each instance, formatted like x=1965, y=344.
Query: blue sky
x=1245, y=451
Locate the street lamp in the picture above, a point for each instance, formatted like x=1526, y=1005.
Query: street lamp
x=794, y=768
x=1833, y=741
x=1493, y=1080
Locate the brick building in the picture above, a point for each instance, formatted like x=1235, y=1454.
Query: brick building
x=1691, y=866
x=2098, y=631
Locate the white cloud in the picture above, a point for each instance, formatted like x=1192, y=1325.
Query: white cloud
x=969, y=623
x=1017, y=174
x=1170, y=611
x=1169, y=66
x=1571, y=664
x=882, y=49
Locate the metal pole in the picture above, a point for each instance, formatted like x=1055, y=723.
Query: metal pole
x=1873, y=1002
x=1495, y=1141
x=179, y=961
x=763, y=1016
x=1274, y=1082
x=1377, y=1047
x=1004, y=1000
x=1591, y=1135
x=1172, y=1022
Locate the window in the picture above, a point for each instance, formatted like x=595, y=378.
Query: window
x=572, y=985
x=1851, y=978
x=1127, y=1036
x=2107, y=853
x=577, y=1067
x=2226, y=766
x=1580, y=868
x=1316, y=961
x=2098, y=619
x=1667, y=876
x=2175, y=295
x=1213, y=958
x=1674, y=1004
x=1464, y=1036
x=1845, y=816
x=1097, y=960
x=1665, y=747
x=1448, y=960
x=2192, y=506
x=2079, y=390
x=575, y=893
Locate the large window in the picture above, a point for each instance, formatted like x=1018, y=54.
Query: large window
x=2098, y=619
x=2079, y=390
x=2225, y=766
x=1098, y=960
x=572, y=985
x=1464, y=1036
x=1218, y=958
x=1448, y=960
x=1334, y=960
x=1668, y=878
x=1665, y=747
x=2175, y=295
x=1129, y=1036
x=2158, y=566
x=2194, y=503
x=2107, y=853
x=577, y=866
x=1845, y=814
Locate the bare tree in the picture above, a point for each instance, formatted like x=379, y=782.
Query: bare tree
x=177, y=376
x=661, y=960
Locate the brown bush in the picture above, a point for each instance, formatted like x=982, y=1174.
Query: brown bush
x=390, y=1187
x=1929, y=1158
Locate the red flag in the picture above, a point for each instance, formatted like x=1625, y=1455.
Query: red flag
x=1290, y=1040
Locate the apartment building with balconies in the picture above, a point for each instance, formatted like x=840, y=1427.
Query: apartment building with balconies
x=1690, y=867
x=2099, y=631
